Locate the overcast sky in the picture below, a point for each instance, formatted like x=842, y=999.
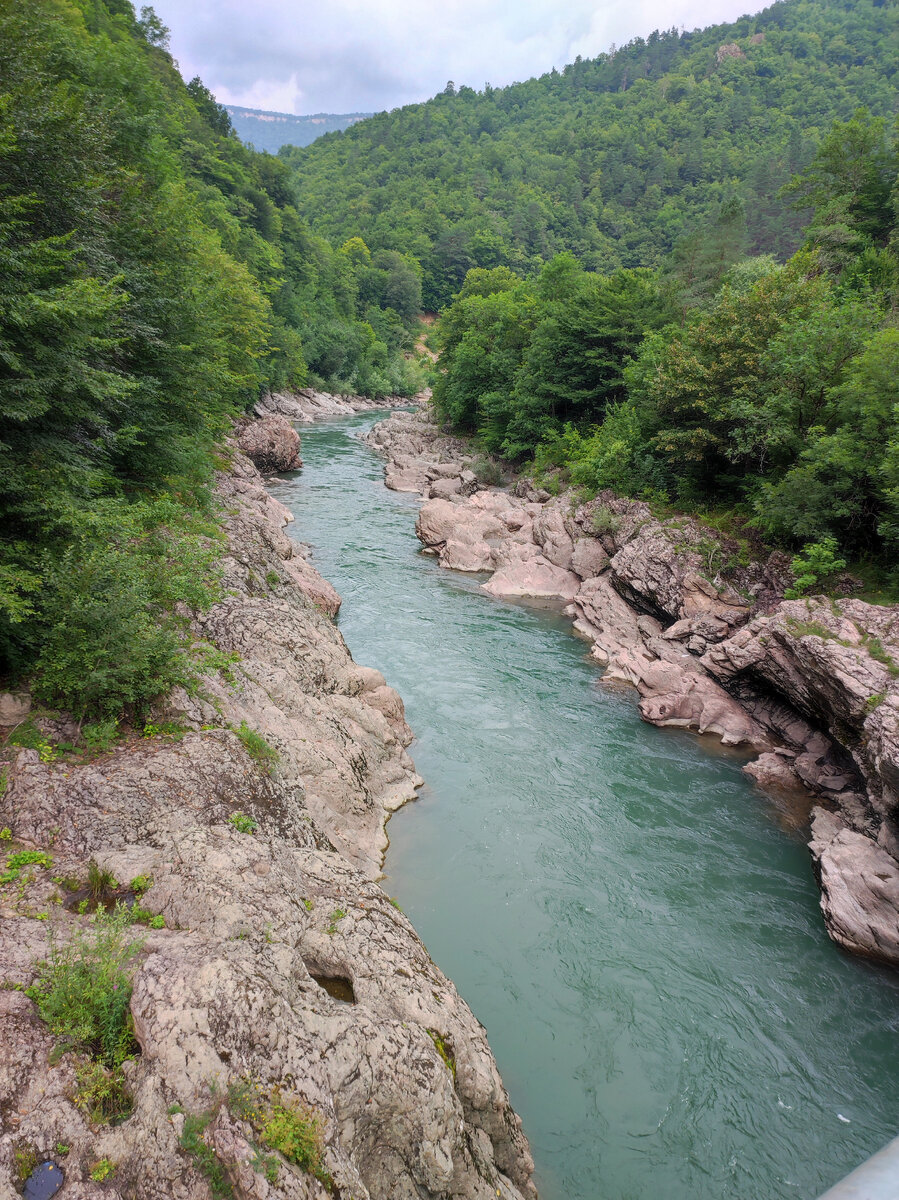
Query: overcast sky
x=308, y=56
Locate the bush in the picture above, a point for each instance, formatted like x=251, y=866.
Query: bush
x=83, y=991
x=817, y=562
x=287, y=1126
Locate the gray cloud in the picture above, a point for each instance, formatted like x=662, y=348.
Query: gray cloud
x=367, y=55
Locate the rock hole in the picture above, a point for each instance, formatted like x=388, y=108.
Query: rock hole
x=337, y=986
x=44, y=1181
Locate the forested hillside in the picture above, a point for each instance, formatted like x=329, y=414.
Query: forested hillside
x=619, y=158
x=155, y=277
x=760, y=393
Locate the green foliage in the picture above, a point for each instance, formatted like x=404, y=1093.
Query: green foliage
x=772, y=394
x=284, y=1125
x=25, y=1160
x=29, y=736
x=16, y=863
x=155, y=276
x=100, y=736
x=83, y=991
x=660, y=145
x=102, y=1170
x=100, y=883
x=336, y=916
x=242, y=823
x=294, y=1131
x=205, y=1158
x=101, y=1093
x=440, y=1043
x=817, y=563
x=257, y=747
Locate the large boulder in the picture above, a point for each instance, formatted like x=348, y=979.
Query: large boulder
x=272, y=444
x=535, y=578
x=859, y=885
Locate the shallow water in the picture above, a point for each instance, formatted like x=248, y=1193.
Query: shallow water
x=635, y=925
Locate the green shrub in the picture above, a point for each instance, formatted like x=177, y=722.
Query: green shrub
x=102, y=1170
x=816, y=563
x=21, y=859
x=102, y=1093
x=287, y=1126
x=100, y=736
x=29, y=737
x=242, y=823
x=100, y=883
x=205, y=1158
x=603, y=521
x=83, y=991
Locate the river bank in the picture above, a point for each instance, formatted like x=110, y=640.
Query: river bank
x=810, y=685
x=280, y=961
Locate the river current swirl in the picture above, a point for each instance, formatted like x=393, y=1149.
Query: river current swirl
x=636, y=925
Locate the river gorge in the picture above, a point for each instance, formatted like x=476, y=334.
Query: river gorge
x=634, y=922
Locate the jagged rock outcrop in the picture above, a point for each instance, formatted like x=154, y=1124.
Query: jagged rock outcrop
x=272, y=444
x=673, y=609
x=256, y=923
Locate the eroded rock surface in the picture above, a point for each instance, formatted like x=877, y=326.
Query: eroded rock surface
x=229, y=988
x=705, y=637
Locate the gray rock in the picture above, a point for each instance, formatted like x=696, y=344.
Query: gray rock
x=14, y=707
x=272, y=444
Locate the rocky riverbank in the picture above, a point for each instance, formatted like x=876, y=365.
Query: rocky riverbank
x=674, y=609
x=281, y=962
x=308, y=405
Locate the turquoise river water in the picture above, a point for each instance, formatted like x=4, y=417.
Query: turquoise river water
x=636, y=926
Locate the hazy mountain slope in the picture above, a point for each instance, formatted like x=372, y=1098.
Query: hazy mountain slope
x=270, y=131
x=616, y=157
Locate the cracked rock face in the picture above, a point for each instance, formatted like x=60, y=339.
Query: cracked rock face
x=710, y=645
x=257, y=924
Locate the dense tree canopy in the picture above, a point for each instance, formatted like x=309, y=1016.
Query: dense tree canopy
x=769, y=391
x=618, y=158
x=155, y=277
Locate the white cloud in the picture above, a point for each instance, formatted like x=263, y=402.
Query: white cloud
x=363, y=55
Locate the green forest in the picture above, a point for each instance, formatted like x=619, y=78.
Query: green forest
x=762, y=390
x=155, y=279
x=666, y=270
x=618, y=158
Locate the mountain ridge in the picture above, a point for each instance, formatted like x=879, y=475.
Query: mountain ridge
x=263, y=129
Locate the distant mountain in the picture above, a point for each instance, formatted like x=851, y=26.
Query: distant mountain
x=272, y=130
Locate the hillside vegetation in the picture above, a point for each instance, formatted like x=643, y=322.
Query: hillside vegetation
x=761, y=390
x=155, y=277
x=618, y=158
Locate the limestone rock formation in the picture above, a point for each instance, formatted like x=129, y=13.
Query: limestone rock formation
x=272, y=444
x=281, y=960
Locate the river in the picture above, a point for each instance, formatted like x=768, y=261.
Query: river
x=634, y=923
